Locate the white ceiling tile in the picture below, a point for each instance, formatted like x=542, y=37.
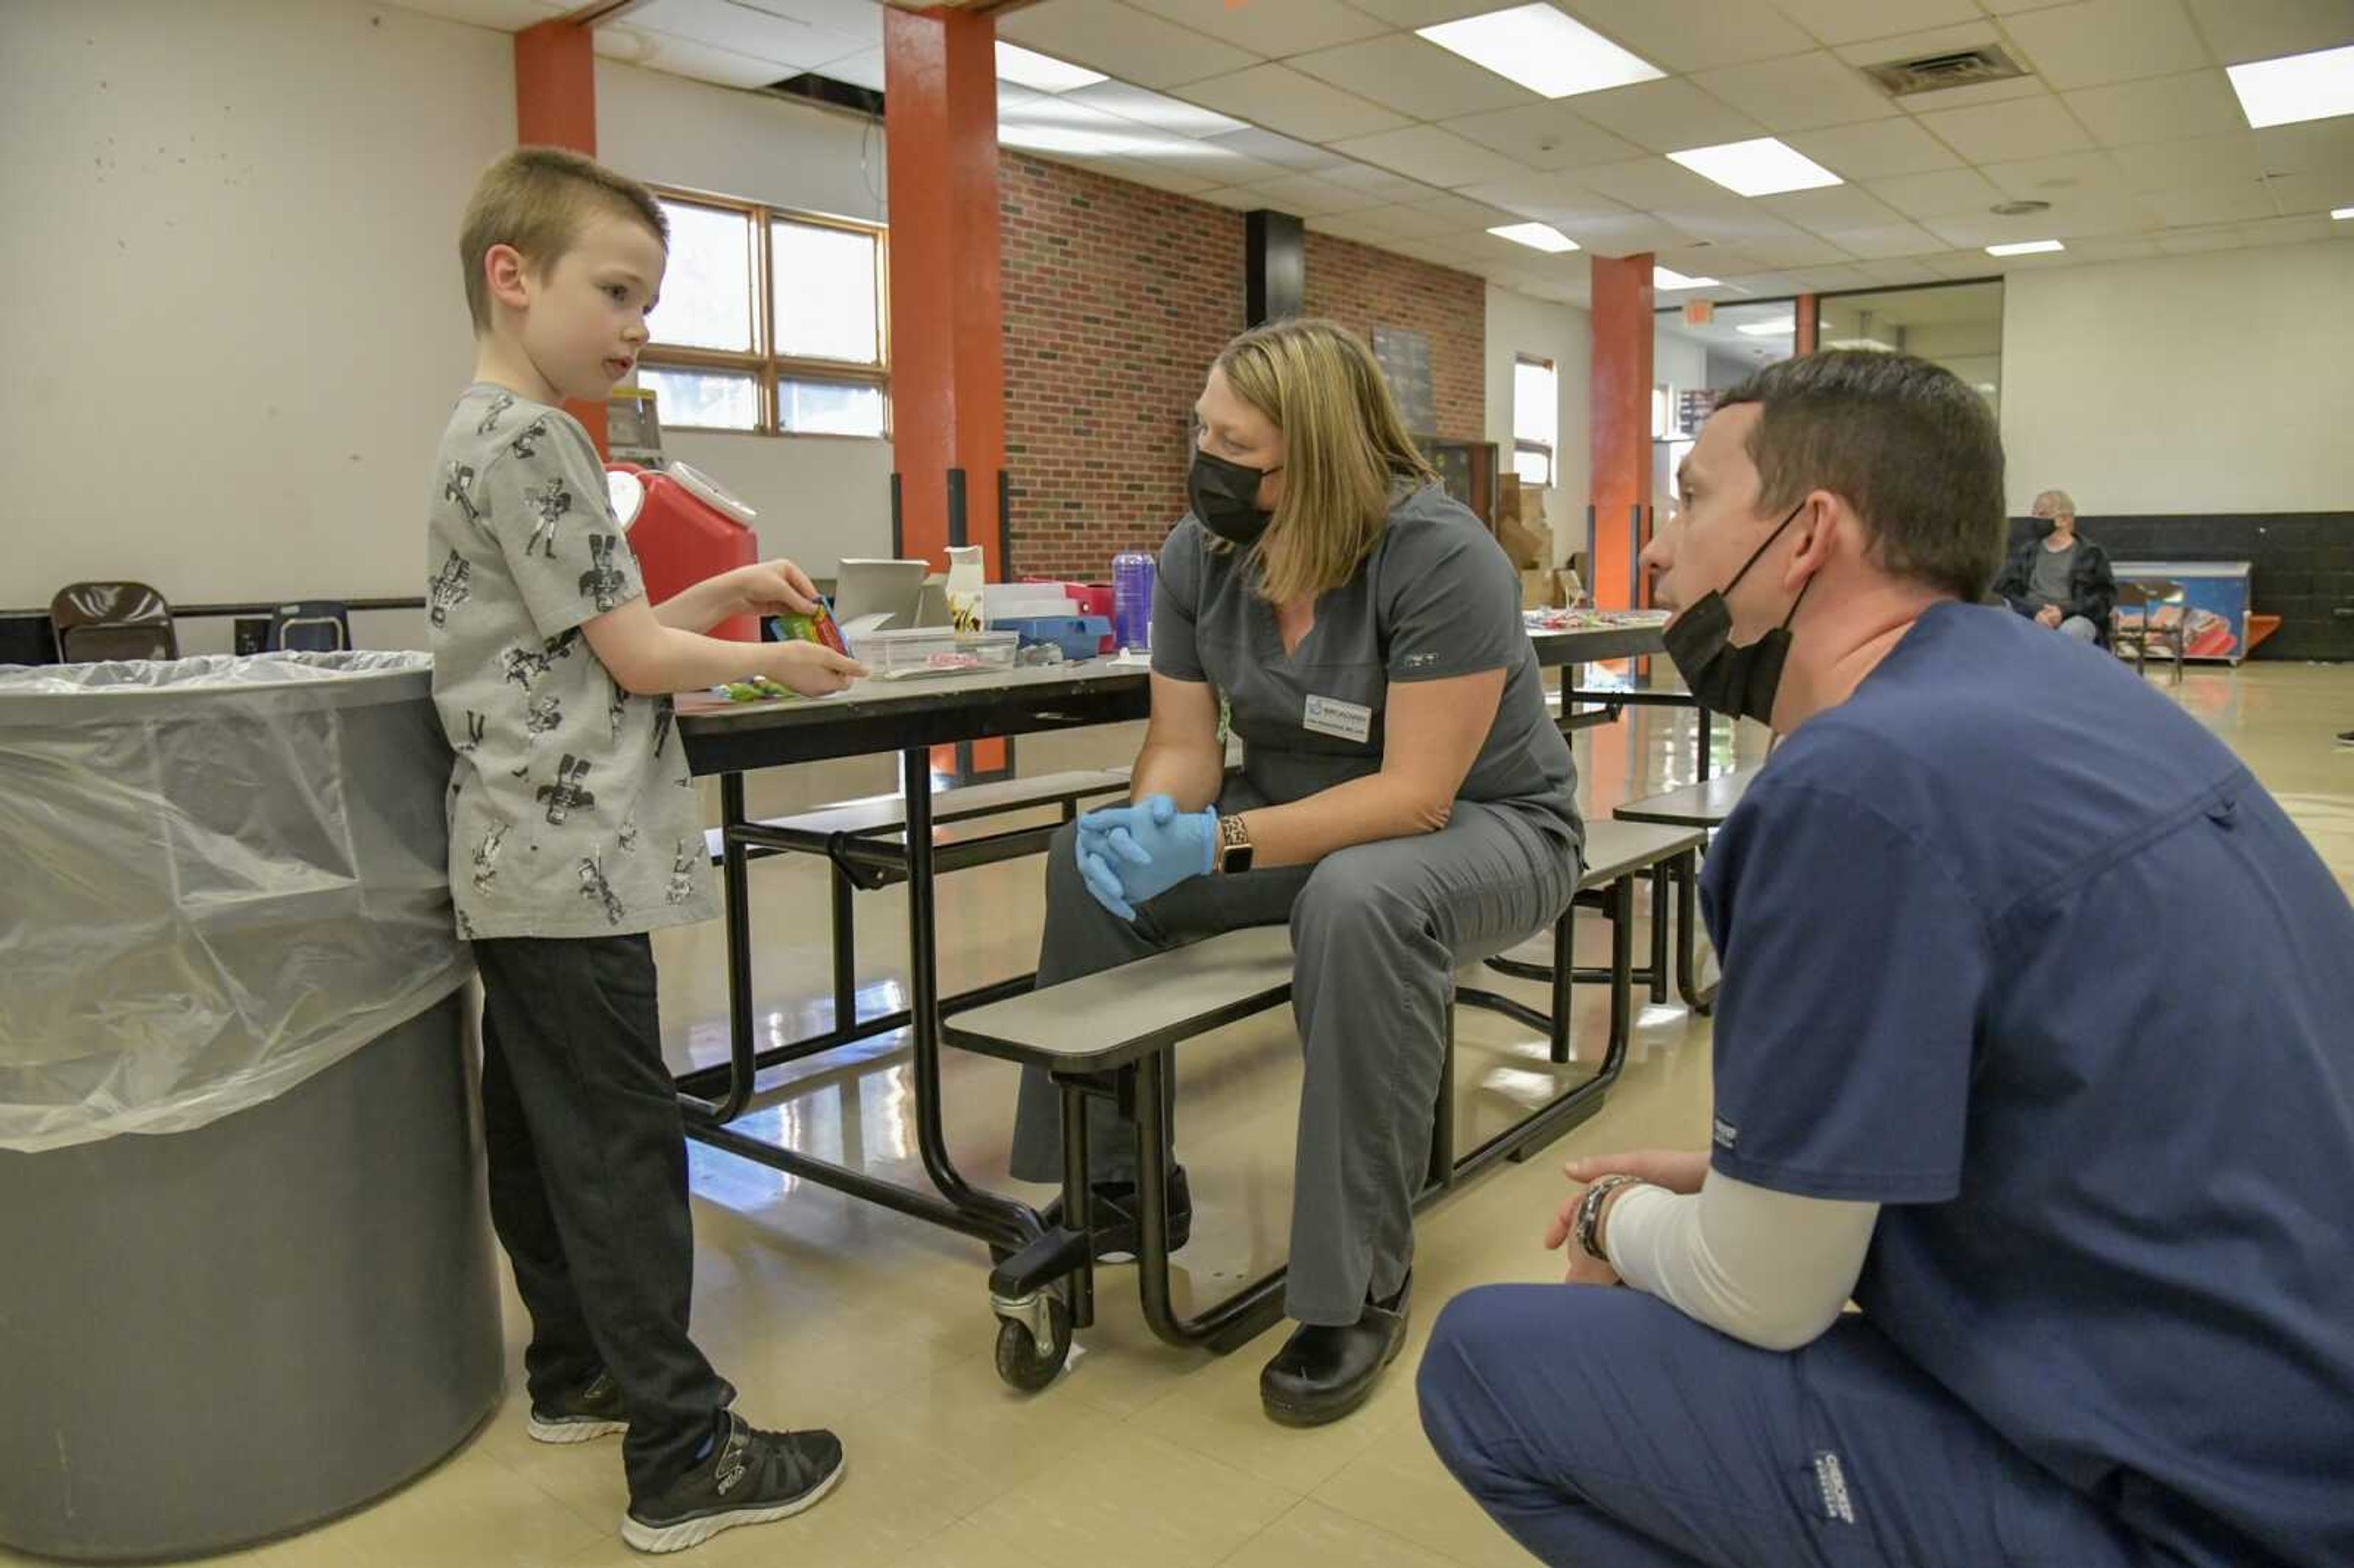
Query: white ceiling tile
x=1414, y=77
x=1958, y=264
x=1478, y=215
x=2011, y=7
x=1404, y=222
x=864, y=68
x=1937, y=195
x=1282, y=100
x=1309, y=196
x=1806, y=250
x=1667, y=116
x=1888, y=241
x=1896, y=274
x=2243, y=30
x=1138, y=171
x=2235, y=203
x=2158, y=109
x=2300, y=229
x=1285, y=28
x=1428, y=152
x=1997, y=132
x=504, y=16
x=860, y=19
x=1346, y=226
x=1622, y=236
x=1914, y=45
x=1545, y=196
x=1132, y=44
x=741, y=30
x=1975, y=229
x=1736, y=226
x=1692, y=34
x=1879, y=149
x=1242, y=198
x=1209, y=161
x=2313, y=193
x=1650, y=183
x=2048, y=179
x=1422, y=13
x=1971, y=97
x=2099, y=41
x=1380, y=184
x=1268, y=147
x=2114, y=247
x=2312, y=147
x=1545, y=136
x=1832, y=207
x=684, y=57
x=1800, y=92
x=2193, y=243
x=2201, y=161
x=1820, y=280
x=1847, y=21
x=1154, y=109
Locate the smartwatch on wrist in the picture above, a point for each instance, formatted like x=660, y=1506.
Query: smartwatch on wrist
x=1234, y=849
x=1589, y=1211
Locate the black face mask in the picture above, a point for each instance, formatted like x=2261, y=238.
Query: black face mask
x=1224, y=496
x=1725, y=679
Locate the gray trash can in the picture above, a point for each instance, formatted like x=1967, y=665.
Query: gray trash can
x=248, y=1280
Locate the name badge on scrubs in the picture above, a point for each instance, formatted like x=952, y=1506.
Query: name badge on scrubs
x=1343, y=721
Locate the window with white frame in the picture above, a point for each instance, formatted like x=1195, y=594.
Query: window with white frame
x=771, y=323
x=1536, y=419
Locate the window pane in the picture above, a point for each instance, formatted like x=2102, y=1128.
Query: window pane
x=830, y=408
x=716, y=400
x=824, y=292
x=1534, y=467
x=1535, y=413
x=706, y=293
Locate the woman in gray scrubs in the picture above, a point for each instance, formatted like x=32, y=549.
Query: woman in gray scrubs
x=1406, y=803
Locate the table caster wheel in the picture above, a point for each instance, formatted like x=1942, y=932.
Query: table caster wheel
x=1025, y=1360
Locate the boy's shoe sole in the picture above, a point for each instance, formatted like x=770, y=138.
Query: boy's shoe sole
x=572, y=1429
x=697, y=1529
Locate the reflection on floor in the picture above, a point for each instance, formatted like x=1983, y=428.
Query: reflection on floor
x=827, y=1311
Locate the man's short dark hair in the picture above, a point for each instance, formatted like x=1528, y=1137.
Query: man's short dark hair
x=1906, y=443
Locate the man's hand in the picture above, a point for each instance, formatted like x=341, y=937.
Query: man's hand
x=1677, y=1169
x=809, y=668
x=2048, y=616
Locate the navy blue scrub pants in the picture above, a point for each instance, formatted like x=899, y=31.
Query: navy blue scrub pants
x=1605, y=1429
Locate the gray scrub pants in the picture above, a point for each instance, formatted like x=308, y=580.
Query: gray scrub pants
x=1377, y=932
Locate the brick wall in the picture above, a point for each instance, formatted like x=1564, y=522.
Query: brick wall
x=1117, y=297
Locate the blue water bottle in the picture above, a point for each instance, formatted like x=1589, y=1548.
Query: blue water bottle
x=1131, y=600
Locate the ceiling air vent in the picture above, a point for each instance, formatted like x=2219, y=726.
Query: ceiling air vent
x=810, y=87
x=1932, y=73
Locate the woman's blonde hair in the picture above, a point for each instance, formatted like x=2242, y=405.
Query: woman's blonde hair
x=1345, y=446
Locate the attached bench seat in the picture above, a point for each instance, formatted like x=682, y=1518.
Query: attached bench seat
x=878, y=816
x=1702, y=805
x=1114, y=1034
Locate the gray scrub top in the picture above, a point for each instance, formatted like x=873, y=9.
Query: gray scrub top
x=1437, y=597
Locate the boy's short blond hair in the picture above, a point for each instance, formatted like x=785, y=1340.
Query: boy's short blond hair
x=537, y=200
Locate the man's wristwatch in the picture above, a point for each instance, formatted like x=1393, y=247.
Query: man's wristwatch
x=1234, y=845
x=1589, y=1211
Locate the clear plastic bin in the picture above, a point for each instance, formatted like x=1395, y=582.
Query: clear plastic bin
x=933, y=651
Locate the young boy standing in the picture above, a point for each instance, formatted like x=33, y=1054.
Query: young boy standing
x=574, y=832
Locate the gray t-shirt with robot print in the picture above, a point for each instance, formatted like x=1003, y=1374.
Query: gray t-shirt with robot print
x=571, y=811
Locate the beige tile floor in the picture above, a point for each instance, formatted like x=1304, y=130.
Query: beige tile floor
x=828, y=1312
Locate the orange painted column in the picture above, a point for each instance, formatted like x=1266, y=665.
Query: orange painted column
x=556, y=106
x=946, y=302
x=1620, y=413
x=1809, y=324
x=948, y=317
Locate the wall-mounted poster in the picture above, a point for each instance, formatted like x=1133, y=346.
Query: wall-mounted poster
x=1405, y=359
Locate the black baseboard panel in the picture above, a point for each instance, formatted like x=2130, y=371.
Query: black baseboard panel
x=2301, y=566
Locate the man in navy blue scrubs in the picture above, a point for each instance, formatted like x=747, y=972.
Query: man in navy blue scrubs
x=2036, y=1040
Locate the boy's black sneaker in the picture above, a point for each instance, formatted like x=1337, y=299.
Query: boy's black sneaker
x=593, y=1410
x=750, y=1477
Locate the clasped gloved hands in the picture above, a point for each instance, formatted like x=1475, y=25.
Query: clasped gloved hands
x=1133, y=853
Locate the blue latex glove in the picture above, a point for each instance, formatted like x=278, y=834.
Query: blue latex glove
x=1131, y=854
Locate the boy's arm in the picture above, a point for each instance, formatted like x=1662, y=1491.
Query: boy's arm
x=767, y=587
x=650, y=658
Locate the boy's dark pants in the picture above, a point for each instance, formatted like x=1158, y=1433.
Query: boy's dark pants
x=587, y=1184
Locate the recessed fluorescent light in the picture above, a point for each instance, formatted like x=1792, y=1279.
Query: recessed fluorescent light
x=1765, y=166
x=2025, y=247
x=1669, y=277
x=2342, y=212
x=1774, y=328
x=1872, y=343
x=1025, y=68
x=2296, y=87
x=1537, y=235
x=1544, y=50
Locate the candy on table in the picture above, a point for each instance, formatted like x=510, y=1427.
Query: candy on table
x=758, y=689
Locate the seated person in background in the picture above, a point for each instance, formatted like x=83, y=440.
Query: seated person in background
x=2062, y=580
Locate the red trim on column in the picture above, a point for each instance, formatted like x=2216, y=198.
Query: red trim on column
x=1809, y=324
x=1621, y=418
x=556, y=106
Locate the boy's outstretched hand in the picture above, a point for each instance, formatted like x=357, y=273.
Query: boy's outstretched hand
x=767, y=587
x=809, y=668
